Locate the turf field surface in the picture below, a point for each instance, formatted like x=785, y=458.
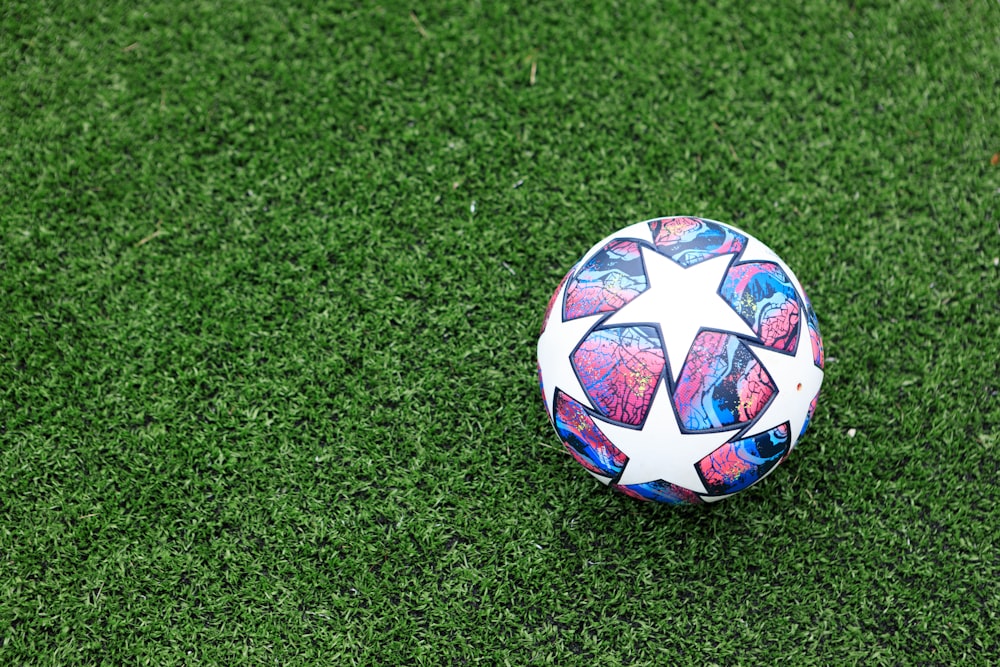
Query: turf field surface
x=272, y=276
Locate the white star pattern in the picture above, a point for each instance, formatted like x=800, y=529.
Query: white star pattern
x=554, y=354
x=691, y=292
x=755, y=251
x=659, y=450
x=798, y=380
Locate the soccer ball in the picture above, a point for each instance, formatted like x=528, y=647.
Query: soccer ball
x=680, y=360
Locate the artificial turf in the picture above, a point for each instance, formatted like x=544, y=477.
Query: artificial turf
x=272, y=276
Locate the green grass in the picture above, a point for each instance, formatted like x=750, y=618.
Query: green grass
x=267, y=387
